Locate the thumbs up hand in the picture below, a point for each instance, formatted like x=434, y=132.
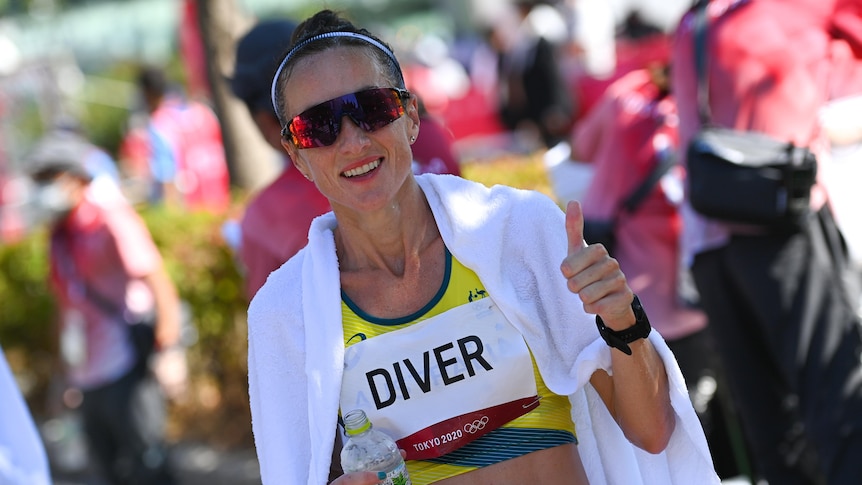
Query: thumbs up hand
x=595, y=276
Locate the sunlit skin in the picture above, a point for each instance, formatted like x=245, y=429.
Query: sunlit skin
x=391, y=259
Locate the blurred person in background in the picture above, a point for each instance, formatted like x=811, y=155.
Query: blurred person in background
x=23, y=460
x=179, y=141
x=106, y=273
x=590, y=47
x=778, y=301
x=630, y=134
x=433, y=151
x=268, y=237
x=438, y=80
x=533, y=96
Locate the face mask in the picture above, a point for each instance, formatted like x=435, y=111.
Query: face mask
x=54, y=201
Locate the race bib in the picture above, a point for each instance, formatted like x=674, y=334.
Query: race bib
x=441, y=383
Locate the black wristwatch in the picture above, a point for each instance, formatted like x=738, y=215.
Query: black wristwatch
x=621, y=339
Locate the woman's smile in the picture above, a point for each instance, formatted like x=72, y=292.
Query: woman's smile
x=361, y=170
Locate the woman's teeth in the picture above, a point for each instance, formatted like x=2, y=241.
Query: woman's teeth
x=363, y=169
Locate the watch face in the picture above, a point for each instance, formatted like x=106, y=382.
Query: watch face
x=640, y=314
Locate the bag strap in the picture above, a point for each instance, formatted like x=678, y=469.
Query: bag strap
x=61, y=240
x=104, y=304
x=665, y=162
x=700, y=25
x=700, y=31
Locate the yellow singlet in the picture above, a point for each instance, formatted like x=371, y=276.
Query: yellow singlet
x=549, y=425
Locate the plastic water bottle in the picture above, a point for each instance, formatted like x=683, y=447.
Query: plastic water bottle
x=368, y=449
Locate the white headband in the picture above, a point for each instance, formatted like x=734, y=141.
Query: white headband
x=326, y=35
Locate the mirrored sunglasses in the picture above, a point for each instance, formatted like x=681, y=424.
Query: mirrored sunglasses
x=371, y=110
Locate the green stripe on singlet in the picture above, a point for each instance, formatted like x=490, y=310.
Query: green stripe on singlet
x=503, y=444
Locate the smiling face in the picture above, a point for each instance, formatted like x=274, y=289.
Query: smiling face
x=361, y=171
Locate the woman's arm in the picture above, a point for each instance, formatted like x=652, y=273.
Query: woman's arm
x=637, y=395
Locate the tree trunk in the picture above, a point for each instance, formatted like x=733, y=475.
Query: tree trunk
x=251, y=161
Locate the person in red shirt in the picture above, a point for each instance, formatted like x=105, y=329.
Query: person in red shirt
x=275, y=223
x=433, y=151
x=106, y=273
x=785, y=320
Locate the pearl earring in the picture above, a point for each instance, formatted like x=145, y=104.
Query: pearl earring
x=412, y=139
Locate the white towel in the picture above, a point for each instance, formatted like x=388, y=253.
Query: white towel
x=515, y=241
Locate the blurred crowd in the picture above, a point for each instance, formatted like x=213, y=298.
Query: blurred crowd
x=607, y=95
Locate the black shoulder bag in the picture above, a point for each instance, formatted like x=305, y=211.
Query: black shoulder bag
x=604, y=231
x=141, y=328
x=743, y=176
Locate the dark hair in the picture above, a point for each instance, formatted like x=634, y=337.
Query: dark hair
x=258, y=53
x=323, y=22
x=153, y=80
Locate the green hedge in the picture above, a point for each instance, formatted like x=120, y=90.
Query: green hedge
x=27, y=308
x=207, y=278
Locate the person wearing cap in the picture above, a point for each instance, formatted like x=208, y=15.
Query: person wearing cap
x=269, y=237
x=106, y=272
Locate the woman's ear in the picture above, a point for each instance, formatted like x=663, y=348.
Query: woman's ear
x=288, y=147
x=413, y=115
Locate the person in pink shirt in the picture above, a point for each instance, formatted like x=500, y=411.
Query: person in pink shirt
x=631, y=127
x=106, y=273
x=634, y=124
x=186, y=153
x=785, y=321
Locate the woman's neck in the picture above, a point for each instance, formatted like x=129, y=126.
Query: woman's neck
x=386, y=239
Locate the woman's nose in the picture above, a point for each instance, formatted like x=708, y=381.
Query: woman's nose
x=351, y=134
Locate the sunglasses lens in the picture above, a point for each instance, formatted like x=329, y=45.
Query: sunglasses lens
x=315, y=127
x=378, y=107
x=371, y=110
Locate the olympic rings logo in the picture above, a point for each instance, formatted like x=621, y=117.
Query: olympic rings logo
x=476, y=425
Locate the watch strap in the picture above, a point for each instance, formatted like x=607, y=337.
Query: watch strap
x=620, y=339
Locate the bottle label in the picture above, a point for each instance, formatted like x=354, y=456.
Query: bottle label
x=397, y=476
